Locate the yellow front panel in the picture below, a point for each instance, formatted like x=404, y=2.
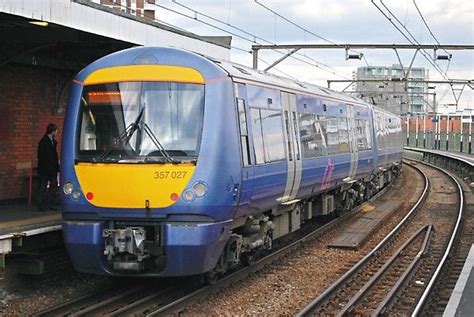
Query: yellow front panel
x=144, y=73
x=130, y=185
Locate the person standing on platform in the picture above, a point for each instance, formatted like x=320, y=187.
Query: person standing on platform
x=48, y=168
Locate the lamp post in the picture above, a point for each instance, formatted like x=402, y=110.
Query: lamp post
x=470, y=128
x=447, y=132
x=461, y=145
x=408, y=127
x=424, y=131
x=416, y=130
x=439, y=132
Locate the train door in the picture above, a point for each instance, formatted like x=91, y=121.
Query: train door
x=246, y=187
x=353, y=142
x=293, y=147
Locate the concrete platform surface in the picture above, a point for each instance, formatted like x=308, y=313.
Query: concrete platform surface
x=461, y=302
x=20, y=218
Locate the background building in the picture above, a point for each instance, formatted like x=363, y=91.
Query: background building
x=140, y=8
x=391, y=92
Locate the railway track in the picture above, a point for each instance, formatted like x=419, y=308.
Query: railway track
x=168, y=299
x=398, y=274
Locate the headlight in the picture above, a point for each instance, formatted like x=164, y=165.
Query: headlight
x=189, y=195
x=200, y=188
x=76, y=194
x=68, y=188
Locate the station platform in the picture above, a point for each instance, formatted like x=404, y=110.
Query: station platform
x=461, y=155
x=26, y=220
x=460, y=302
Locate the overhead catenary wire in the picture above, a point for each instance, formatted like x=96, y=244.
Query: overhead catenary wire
x=413, y=40
x=427, y=26
x=432, y=35
x=178, y=28
x=255, y=38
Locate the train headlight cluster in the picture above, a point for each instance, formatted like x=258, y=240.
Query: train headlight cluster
x=198, y=190
x=68, y=188
x=189, y=195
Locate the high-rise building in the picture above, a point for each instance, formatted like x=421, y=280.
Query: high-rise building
x=384, y=86
x=140, y=8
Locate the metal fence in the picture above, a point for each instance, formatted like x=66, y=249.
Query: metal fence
x=430, y=140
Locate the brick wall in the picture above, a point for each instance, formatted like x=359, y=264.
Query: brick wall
x=27, y=105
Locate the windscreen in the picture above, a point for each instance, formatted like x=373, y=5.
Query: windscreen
x=136, y=120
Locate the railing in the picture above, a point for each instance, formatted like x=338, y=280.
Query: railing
x=462, y=164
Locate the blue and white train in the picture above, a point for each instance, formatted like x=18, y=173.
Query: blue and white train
x=176, y=164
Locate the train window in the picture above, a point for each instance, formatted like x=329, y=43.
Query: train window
x=244, y=139
x=257, y=135
x=167, y=113
x=272, y=135
x=381, y=131
x=364, y=141
x=295, y=128
x=242, y=116
x=267, y=135
x=332, y=135
x=343, y=130
x=312, y=135
x=287, y=127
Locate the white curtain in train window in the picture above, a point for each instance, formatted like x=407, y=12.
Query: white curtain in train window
x=312, y=135
x=174, y=112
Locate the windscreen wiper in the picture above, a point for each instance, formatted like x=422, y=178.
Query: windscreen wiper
x=124, y=137
x=158, y=145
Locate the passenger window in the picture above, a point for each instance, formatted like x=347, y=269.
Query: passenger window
x=273, y=140
x=267, y=135
x=244, y=139
x=332, y=135
x=343, y=135
x=257, y=136
x=363, y=134
x=312, y=135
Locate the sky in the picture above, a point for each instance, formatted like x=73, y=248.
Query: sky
x=336, y=21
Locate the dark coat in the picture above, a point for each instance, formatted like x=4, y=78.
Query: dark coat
x=48, y=164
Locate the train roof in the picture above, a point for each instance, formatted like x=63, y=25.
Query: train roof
x=245, y=73
x=249, y=74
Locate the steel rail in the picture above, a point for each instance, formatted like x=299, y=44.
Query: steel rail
x=329, y=291
x=391, y=295
x=179, y=304
x=56, y=310
x=356, y=299
x=434, y=277
x=104, y=303
x=126, y=309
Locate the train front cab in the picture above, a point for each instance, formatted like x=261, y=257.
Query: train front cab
x=142, y=195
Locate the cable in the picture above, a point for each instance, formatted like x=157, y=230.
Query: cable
x=424, y=53
x=434, y=37
x=426, y=24
x=297, y=25
x=254, y=37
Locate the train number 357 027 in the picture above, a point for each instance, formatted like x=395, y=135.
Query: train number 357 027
x=168, y=174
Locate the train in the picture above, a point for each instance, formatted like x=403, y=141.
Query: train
x=178, y=164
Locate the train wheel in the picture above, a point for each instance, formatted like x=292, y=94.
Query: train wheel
x=249, y=258
x=211, y=277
